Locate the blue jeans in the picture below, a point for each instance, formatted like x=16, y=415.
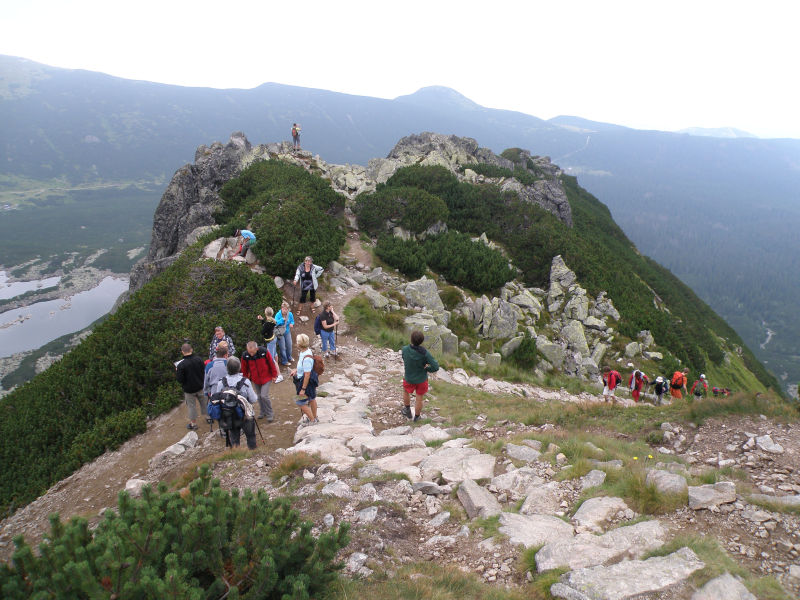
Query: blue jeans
x=285, y=347
x=271, y=349
x=328, y=338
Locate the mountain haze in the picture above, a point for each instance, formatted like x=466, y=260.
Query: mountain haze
x=721, y=213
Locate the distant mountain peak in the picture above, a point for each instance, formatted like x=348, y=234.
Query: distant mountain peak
x=719, y=132
x=439, y=96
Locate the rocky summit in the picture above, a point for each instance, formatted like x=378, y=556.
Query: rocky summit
x=518, y=480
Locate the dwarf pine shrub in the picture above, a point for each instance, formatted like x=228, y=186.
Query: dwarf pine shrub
x=212, y=543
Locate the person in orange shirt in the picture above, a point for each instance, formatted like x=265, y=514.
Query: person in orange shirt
x=679, y=381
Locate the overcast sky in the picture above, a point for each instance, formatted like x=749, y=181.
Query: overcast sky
x=646, y=64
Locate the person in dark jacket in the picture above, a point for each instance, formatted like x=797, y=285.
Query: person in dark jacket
x=219, y=337
x=190, y=373
x=260, y=369
x=418, y=362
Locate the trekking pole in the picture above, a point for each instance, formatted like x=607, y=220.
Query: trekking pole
x=336, y=340
x=259, y=431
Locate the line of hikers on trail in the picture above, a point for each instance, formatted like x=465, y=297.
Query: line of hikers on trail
x=227, y=387
x=676, y=385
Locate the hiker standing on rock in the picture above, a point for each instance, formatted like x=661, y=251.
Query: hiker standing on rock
x=220, y=336
x=190, y=373
x=268, y=333
x=418, y=362
x=307, y=273
x=284, y=323
x=260, y=369
x=296, y=136
x=306, y=380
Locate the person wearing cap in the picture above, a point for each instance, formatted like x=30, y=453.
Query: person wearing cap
x=248, y=241
x=700, y=387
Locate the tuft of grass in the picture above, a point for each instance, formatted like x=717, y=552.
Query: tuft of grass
x=293, y=462
x=774, y=506
x=495, y=448
x=434, y=443
x=387, y=476
x=489, y=525
x=376, y=327
x=422, y=581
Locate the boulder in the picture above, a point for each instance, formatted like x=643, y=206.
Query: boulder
x=423, y=292
x=542, y=499
x=593, y=478
x=711, y=495
x=457, y=464
x=724, y=587
x=524, y=453
x=766, y=444
x=533, y=530
x=508, y=348
x=337, y=488
x=438, y=338
x=575, y=337
x=553, y=353
x=589, y=550
x=378, y=446
x=577, y=307
x=477, y=501
x=376, y=299
x=429, y=433
x=517, y=483
x=189, y=440
x=503, y=320
x=666, y=482
x=628, y=579
x=134, y=487
x=596, y=512
x=782, y=500
x=632, y=349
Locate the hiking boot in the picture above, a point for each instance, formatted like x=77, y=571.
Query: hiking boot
x=191, y=426
x=406, y=410
x=262, y=416
x=279, y=379
x=416, y=418
x=315, y=421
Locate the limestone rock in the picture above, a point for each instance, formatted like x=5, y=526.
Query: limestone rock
x=628, y=579
x=424, y=293
x=589, y=550
x=666, y=482
x=595, y=512
x=711, y=495
x=477, y=501
x=724, y=587
x=533, y=530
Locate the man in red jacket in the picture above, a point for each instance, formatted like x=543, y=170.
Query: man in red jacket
x=260, y=369
x=611, y=379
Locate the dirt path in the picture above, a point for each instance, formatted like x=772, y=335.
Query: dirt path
x=96, y=485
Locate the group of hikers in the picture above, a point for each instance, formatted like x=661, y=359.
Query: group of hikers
x=676, y=385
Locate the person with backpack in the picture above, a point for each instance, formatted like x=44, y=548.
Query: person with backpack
x=237, y=416
x=660, y=387
x=296, y=136
x=678, y=383
x=217, y=370
x=417, y=363
x=325, y=326
x=306, y=380
x=219, y=337
x=611, y=379
x=268, y=333
x=307, y=274
x=700, y=387
x=190, y=373
x=261, y=370
x=284, y=323
x=636, y=382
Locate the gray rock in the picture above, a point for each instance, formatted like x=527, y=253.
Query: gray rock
x=535, y=444
x=524, y=453
x=724, y=587
x=427, y=487
x=493, y=359
x=337, y=488
x=577, y=307
x=477, y=501
x=376, y=299
x=593, y=478
x=439, y=519
x=328, y=520
x=508, y=348
x=457, y=464
x=595, y=512
x=401, y=430
x=382, y=445
x=356, y=561
x=711, y=495
x=503, y=320
x=424, y=293
x=533, y=530
x=783, y=500
x=553, y=353
x=441, y=540
x=176, y=449
x=589, y=550
x=766, y=444
x=189, y=440
x=517, y=483
x=134, y=487
x=429, y=433
x=666, y=482
x=368, y=515
x=543, y=499
x=575, y=337
x=628, y=579
x=632, y=349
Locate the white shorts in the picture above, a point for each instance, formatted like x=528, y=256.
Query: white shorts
x=608, y=392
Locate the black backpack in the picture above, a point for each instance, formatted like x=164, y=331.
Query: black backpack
x=225, y=406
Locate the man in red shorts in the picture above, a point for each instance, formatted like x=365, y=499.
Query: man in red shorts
x=418, y=362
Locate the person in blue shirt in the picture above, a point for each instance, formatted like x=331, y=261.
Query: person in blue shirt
x=248, y=241
x=284, y=323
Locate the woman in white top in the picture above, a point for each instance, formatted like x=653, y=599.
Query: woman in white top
x=306, y=380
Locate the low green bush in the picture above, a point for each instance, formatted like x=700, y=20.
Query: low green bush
x=407, y=256
x=466, y=263
x=451, y=296
x=412, y=208
x=211, y=544
x=526, y=356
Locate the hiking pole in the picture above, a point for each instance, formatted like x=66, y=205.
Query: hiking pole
x=336, y=340
x=259, y=431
